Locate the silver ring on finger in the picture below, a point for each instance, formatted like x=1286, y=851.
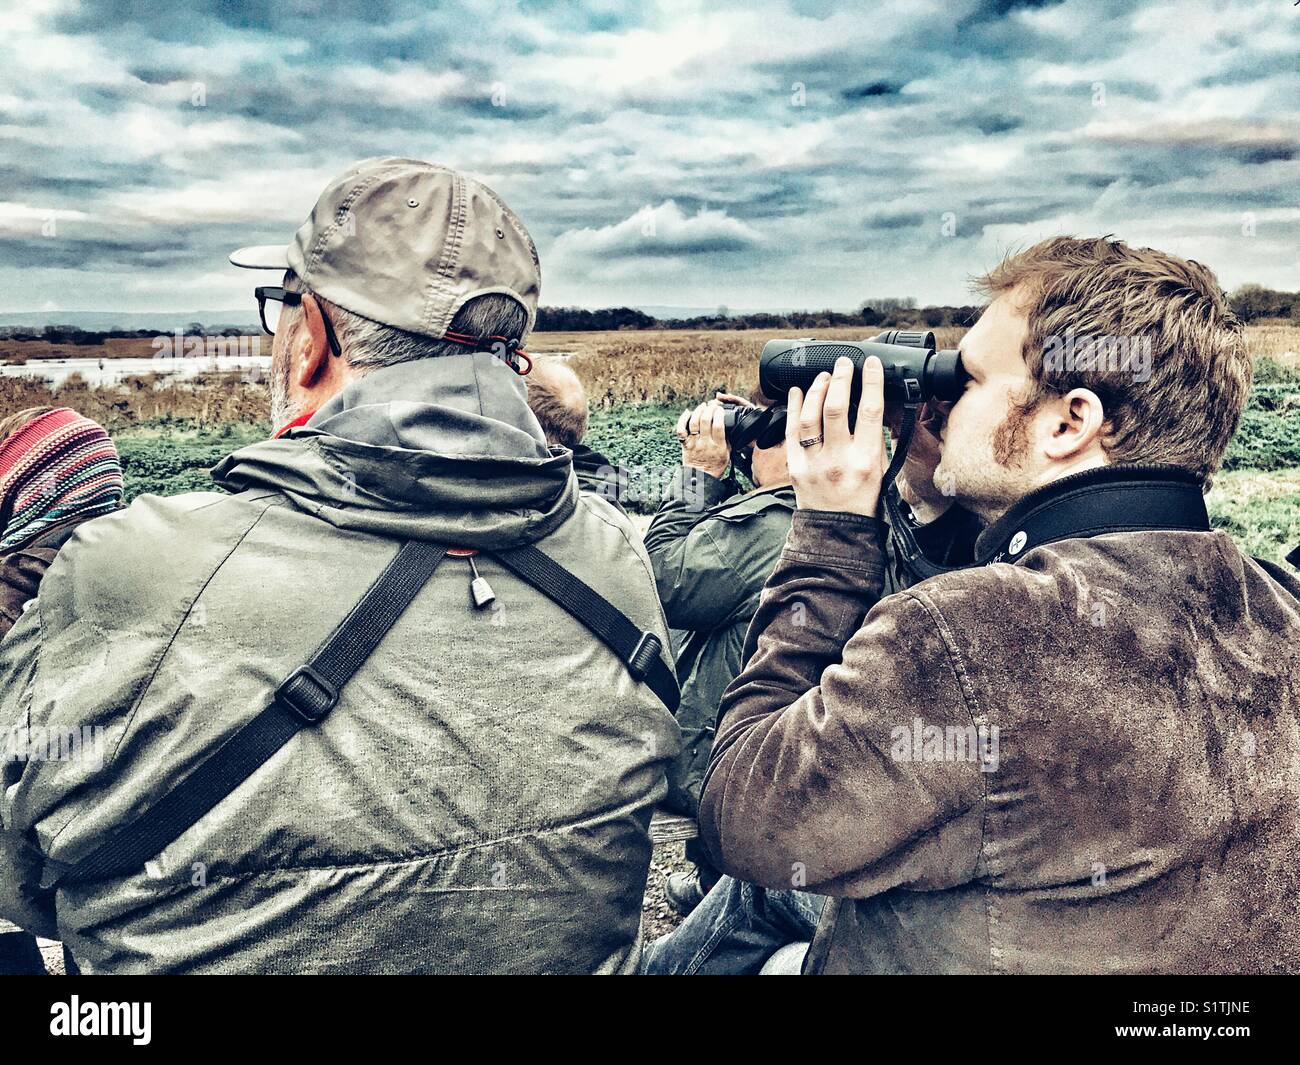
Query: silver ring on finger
x=810, y=441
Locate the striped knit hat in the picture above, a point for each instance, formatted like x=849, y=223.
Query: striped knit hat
x=57, y=466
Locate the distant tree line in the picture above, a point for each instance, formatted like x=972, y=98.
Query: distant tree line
x=71, y=334
x=883, y=313
x=1251, y=303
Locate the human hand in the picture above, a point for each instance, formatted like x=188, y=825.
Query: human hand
x=842, y=470
x=704, y=441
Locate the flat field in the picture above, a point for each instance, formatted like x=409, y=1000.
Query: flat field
x=170, y=431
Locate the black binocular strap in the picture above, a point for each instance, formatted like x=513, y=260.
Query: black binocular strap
x=912, y=557
x=306, y=696
x=639, y=651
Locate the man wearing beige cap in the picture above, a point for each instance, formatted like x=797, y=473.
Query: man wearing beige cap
x=401, y=702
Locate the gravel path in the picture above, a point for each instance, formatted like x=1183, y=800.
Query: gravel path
x=657, y=917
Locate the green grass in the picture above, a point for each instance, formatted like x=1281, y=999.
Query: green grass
x=1256, y=498
x=167, y=458
x=1260, y=510
x=1269, y=435
x=638, y=437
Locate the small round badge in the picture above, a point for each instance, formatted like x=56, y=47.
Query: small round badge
x=1017, y=543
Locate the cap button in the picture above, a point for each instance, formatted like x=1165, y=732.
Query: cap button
x=1017, y=543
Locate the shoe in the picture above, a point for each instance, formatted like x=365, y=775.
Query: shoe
x=684, y=891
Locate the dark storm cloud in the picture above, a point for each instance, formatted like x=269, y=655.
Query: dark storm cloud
x=187, y=21
x=875, y=88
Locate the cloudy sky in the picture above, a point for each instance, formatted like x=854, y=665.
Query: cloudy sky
x=773, y=153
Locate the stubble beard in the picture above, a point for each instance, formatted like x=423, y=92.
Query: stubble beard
x=987, y=481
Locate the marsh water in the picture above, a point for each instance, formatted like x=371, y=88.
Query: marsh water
x=99, y=373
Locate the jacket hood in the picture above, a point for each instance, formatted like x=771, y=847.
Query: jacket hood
x=436, y=449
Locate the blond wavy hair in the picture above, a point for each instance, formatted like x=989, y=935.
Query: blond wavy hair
x=11, y=423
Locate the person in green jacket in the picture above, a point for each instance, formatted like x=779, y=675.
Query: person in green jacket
x=712, y=547
x=479, y=798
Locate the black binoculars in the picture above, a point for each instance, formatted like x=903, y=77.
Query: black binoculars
x=915, y=371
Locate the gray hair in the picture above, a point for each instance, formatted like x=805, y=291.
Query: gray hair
x=368, y=344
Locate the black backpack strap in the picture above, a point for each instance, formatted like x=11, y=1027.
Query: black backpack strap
x=639, y=651
x=305, y=697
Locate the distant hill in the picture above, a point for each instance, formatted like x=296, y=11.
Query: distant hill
x=1251, y=302
x=104, y=321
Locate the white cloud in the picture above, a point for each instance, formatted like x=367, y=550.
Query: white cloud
x=404, y=83
x=1214, y=133
x=659, y=231
x=243, y=194
x=13, y=215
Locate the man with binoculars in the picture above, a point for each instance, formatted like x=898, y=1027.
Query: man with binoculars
x=711, y=547
x=1075, y=754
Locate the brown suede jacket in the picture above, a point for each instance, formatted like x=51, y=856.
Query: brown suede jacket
x=1082, y=761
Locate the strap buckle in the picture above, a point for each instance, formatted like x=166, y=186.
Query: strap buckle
x=307, y=694
x=643, y=655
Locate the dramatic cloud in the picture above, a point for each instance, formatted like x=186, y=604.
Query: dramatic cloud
x=662, y=230
x=776, y=153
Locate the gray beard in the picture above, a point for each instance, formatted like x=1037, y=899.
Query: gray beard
x=283, y=409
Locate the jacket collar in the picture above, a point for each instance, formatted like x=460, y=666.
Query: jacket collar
x=1121, y=498
x=783, y=492
x=588, y=458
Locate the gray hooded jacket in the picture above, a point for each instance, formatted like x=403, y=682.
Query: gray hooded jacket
x=479, y=799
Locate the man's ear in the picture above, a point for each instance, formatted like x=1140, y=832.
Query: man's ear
x=312, y=357
x=1077, y=421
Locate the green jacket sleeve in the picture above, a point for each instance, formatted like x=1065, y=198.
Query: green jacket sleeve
x=697, y=584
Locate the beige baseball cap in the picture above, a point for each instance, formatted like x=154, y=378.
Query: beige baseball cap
x=408, y=243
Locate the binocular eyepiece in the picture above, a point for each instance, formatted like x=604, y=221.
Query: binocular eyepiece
x=915, y=371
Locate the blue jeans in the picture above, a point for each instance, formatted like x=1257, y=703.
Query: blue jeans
x=734, y=931
x=19, y=954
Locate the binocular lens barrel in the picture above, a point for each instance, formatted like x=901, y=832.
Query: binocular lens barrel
x=914, y=370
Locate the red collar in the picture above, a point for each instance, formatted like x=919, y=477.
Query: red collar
x=302, y=419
